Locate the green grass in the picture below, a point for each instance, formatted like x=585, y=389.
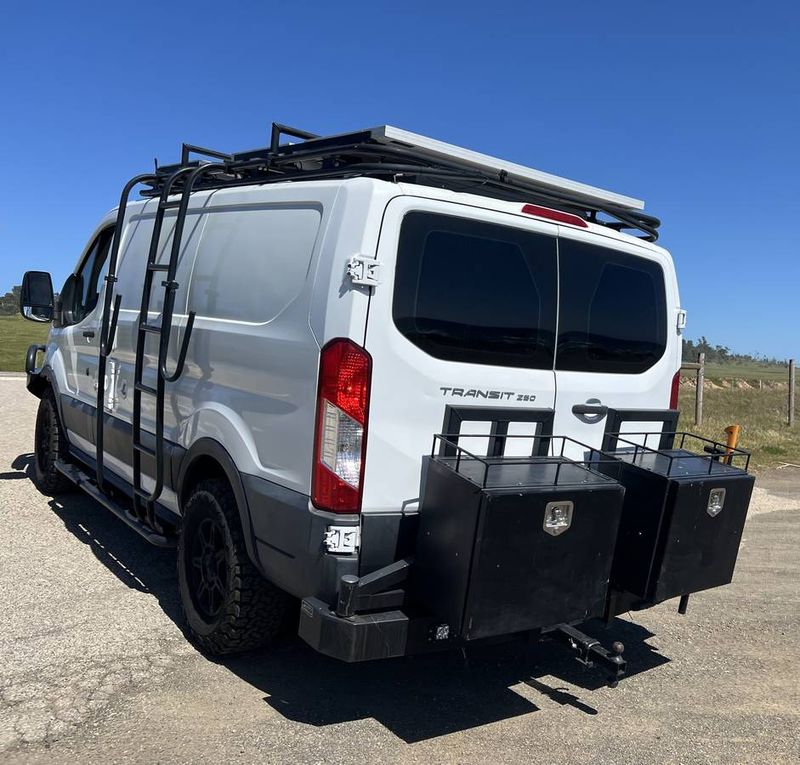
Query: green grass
x=760, y=413
x=750, y=372
x=16, y=334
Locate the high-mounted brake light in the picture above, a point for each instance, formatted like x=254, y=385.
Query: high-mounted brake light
x=556, y=215
x=341, y=433
x=673, y=394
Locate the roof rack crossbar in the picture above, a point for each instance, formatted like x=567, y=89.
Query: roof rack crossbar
x=278, y=130
x=189, y=148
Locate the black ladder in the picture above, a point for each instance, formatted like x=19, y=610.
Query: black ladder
x=108, y=327
x=143, y=500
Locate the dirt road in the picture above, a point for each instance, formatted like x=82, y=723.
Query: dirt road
x=94, y=666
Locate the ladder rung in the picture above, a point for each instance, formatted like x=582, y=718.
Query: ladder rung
x=145, y=388
x=158, y=266
x=169, y=205
x=144, y=450
x=142, y=493
x=156, y=330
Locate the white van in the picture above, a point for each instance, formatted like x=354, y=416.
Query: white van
x=261, y=380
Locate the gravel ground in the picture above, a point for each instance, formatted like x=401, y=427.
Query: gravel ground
x=95, y=668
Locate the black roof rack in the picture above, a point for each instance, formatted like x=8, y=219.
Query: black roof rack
x=395, y=155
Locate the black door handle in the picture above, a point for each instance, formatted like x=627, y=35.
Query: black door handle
x=88, y=333
x=590, y=409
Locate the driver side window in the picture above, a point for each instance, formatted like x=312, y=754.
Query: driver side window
x=82, y=290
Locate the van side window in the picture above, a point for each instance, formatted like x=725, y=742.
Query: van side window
x=82, y=290
x=476, y=292
x=612, y=316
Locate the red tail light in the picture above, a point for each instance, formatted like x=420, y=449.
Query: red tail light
x=341, y=434
x=556, y=215
x=673, y=394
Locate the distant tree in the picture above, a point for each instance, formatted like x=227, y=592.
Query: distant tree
x=721, y=354
x=9, y=303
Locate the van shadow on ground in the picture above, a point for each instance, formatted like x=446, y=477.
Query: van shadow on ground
x=416, y=698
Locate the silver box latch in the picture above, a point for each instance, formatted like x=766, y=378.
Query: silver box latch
x=364, y=270
x=681, y=321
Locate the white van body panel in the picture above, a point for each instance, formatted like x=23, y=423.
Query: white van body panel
x=410, y=388
x=408, y=401
x=250, y=377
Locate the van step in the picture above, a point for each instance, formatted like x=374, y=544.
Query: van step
x=82, y=480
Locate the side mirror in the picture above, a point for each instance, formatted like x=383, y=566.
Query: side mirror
x=36, y=297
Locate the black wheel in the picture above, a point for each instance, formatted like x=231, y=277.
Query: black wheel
x=228, y=605
x=49, y=446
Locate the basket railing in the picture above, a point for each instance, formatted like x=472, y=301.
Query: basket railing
x=545, y=449
x=705, y=451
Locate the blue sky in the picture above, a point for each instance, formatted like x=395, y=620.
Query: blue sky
x=694, y=107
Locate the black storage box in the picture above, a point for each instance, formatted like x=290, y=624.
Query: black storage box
x=683, y=514
x=510, y=544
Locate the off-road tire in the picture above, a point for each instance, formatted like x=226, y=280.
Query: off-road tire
x=252, y=611
x=49, y=445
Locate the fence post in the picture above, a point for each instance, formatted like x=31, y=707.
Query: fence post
x=791, y=391
x=701, y=378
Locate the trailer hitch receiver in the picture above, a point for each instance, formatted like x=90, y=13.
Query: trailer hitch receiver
x=589, y=652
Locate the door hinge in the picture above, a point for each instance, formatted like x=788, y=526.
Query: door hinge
x=681, y=322
x=364, y=270
x=111, y=384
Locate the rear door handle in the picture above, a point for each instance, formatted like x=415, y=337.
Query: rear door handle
x=596, y=409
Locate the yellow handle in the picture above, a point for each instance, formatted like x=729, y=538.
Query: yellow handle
x=732, y=432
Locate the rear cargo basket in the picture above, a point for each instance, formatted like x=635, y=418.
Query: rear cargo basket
x=509, y=544
x=682, y=519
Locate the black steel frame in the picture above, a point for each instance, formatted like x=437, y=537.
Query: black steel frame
x=108, y=327
x=453, y=455
x=500, y=419
x=615, y=417
x=359, y=154
x=716, y=451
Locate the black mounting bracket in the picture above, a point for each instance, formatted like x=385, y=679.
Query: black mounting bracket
x=374, y=590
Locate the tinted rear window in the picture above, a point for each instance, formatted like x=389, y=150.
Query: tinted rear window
x=612, y=313
x=476, y=292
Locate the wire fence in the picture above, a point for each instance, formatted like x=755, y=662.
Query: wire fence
x=699, y=367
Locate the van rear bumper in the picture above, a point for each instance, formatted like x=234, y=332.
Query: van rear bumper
x=361, y=637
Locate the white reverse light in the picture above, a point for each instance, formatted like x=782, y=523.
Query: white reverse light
x=341, y=444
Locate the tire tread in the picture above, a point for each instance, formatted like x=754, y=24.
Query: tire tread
x=256, y=610
x=50, y=481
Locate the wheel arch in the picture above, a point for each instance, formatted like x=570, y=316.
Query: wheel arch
x=38, y=382
x=207, y=458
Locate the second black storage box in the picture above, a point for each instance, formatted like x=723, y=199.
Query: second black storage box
x=683, y=516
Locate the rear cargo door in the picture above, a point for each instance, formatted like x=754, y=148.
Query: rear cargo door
x=617, y=343
x=464, y=316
